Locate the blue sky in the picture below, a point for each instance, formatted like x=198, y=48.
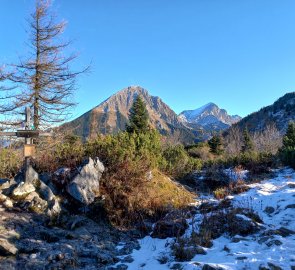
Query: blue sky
x=239, y=54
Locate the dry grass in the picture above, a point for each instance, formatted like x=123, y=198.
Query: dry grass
x=162, y=192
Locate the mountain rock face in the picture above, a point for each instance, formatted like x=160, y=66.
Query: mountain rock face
x=210, y=117
x=111, y=116
x=280, y=113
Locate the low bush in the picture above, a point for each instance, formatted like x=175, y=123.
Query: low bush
x=133, y=186
x=287, y=156
x=221, y=193
x=177, y=163
x=10, y=162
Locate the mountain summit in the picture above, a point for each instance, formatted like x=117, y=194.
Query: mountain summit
x=210, y=117
x=111, y=116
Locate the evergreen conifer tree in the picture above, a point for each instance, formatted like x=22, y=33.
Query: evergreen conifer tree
x=289, y=138
x=248, y=145
x=215, y=144
x=138, y=117
x=287, y=152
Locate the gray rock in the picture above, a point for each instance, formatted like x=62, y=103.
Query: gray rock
x=269, y=210
x=53, y=208
x=23, y=189
x=290, y=206
x=242, y=258
x=34, y=203
x=44, y=191
x=46, y=178
x=119, y=267
x=4, y=183
x=211, y=267
x=273, y=266
x=31, y=175
x=176, y=266
x=6, y=201
x=200, y=251
x=243, y=227
x=169, y=228
x=85, y=185
x=128, y=259
x=6, y=248
x=274, y=242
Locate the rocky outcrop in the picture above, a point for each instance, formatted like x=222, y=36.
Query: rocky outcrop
x=29, y=192
x=84, y=187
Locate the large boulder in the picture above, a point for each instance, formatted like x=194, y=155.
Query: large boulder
x=84, y=187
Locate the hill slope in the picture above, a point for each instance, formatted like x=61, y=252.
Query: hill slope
x=111, y=116
x=280, y=113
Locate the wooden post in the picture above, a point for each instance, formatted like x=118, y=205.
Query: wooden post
x=28, y=134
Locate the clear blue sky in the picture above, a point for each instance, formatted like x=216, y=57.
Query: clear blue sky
x=239, y=54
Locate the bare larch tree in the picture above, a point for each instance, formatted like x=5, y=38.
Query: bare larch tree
x=44, y=80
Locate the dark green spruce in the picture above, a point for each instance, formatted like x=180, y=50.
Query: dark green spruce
x=215, y=144
x=248, y=145
x=287, y=152
x=138, y=117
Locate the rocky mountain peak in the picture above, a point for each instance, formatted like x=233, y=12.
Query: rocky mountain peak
x=111, y=116
x=209, y=116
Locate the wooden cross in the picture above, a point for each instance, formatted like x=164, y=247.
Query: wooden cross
x=28, y=133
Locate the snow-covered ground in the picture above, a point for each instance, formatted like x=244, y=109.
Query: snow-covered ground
x=273, y=200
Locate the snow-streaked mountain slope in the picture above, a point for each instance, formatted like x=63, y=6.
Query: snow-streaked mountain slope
x=255, y=251
x=209, y=116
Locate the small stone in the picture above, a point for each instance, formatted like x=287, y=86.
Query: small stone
x=211, y=267
x=7, y=248
x=8, y=203
x=33, y=256
x=274, y=242
x=60, y=256
x=285, y=232
x=264, y=239
x=273, y=266
x=176, y=266
x=23, y=189
x=242, y=258
x=200, y=251
x=128, y=259
x=269, y=210
x=226, y=249
x=290, y=206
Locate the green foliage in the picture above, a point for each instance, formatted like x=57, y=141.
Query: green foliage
x=138, y=117
x=289, y=138
x=130, y=195
x=248, y=145
x=287, y=152
x=127, y=147
x=215, y=144
x=10, y=162
x=177, y=162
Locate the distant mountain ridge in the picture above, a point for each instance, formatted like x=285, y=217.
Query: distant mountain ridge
x=111, y=116
x=210, y=117
x=280, y=113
